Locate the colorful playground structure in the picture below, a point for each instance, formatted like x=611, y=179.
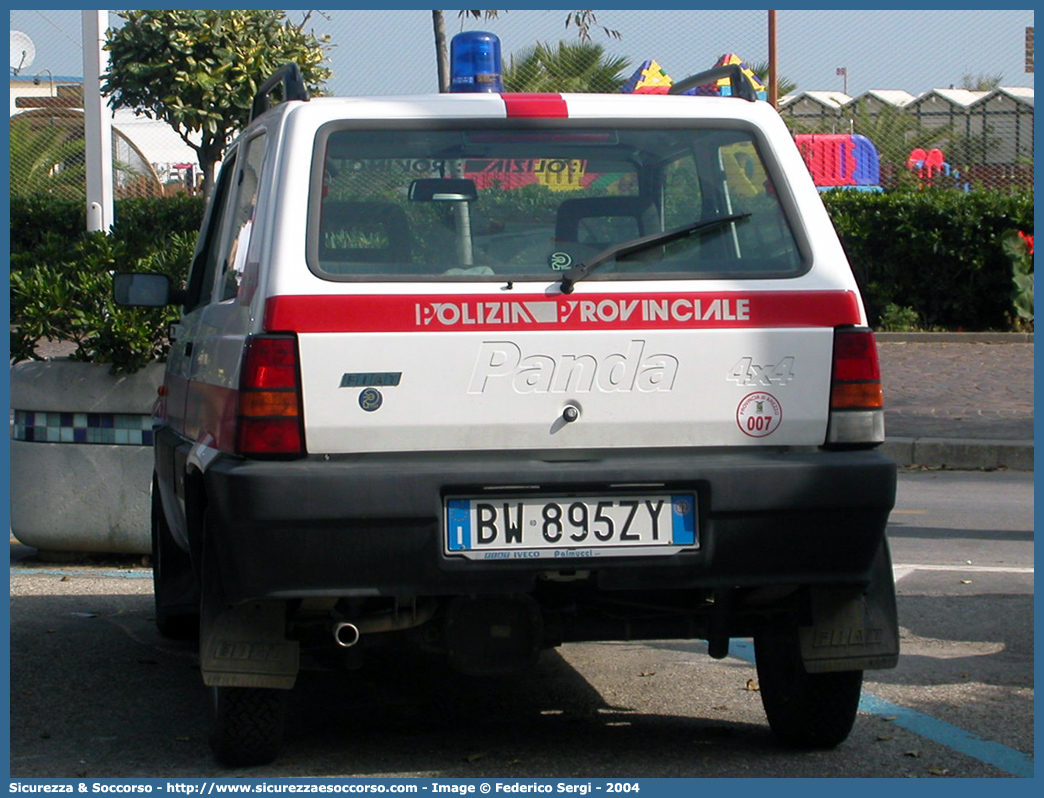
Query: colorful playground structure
x=841, y=160
x=650, y=78
x=931, y=164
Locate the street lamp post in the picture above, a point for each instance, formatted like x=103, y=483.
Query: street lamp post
x=36, y=79
x=844, y=72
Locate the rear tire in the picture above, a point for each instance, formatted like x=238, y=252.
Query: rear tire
x=246, y=725
x=804, y=710
x=174, y=584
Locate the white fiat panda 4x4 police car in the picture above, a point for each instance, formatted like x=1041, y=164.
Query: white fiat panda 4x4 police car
x=487, y=373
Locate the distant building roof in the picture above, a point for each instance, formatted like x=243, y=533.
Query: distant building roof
x=1017, y=93
x=961, y=97
x=158, y=140
x=894, y=97
x=833, y=100
x=41, y=77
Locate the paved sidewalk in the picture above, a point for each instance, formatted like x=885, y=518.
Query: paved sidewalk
x=958, y=401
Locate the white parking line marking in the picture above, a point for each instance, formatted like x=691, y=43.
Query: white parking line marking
x=899, y=570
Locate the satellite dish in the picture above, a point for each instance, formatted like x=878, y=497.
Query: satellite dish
x=23, y=51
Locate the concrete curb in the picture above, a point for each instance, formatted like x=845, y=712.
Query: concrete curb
x=960, y=453
x=953, y=338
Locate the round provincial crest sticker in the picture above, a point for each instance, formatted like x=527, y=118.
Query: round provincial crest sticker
x=759, y=414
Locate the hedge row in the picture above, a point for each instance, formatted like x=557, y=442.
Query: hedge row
x=142, y=224
x=937, y=252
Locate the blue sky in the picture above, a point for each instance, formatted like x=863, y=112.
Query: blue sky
x=391, y=51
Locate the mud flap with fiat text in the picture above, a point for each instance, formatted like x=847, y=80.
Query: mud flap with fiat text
x=246, y=646
x=854, y=629
x=242, y=645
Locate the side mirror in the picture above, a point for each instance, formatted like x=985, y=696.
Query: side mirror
x=443, y=189
x=138, y=289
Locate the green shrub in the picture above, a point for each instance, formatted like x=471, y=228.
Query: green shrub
x=144, y=224
x=35, y=218
x=895, y=318
x=141, y=223
x=61, y=277
x=937, y=251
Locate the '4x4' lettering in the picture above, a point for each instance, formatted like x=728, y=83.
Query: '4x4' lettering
x=749, y=374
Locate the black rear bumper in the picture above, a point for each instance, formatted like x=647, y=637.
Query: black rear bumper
x=372, y=525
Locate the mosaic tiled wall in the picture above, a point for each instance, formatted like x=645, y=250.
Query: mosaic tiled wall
x=129, y=429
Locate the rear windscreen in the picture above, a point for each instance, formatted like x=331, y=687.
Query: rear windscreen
x=524, y=203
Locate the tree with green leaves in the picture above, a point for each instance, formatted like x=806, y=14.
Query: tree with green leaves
x=48, y=155
x=198, y=70
x=46, y=159
x=981, y=82
x=570, y=67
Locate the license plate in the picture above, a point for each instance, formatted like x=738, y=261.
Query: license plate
x=570, y=527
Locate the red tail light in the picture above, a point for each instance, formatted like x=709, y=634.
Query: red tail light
x=856, y=398
x=269, y=418
x=857, y=372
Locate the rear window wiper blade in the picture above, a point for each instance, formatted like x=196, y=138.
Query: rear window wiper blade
x=581, y=270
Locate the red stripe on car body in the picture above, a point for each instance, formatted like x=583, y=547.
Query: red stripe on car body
x=535, y=106
x=657, y=311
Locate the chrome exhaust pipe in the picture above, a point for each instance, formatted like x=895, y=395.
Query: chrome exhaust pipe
x=346, y=634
